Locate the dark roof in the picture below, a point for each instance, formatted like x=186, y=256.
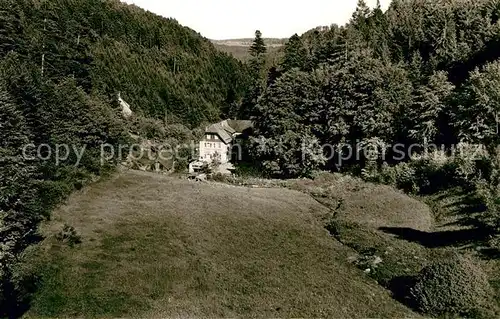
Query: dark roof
x=224, y=131
x=227, y=128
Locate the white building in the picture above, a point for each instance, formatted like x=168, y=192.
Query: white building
x=126, y=111
x=219, y=140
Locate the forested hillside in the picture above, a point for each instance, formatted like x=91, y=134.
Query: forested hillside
x=158, y=65
x=409, y=97
x=424, y=71
x=62, y=65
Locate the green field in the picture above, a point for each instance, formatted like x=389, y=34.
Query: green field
x=155, y=246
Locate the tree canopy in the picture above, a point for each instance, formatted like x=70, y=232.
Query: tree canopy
x=108, y=47
x=423, y=71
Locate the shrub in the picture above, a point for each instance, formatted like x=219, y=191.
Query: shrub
x=454, y=286
x=434, y=172
x=19, y=281
x=221, y=178
x=425, y=174
x=484, y=178
x=181, y=165
x=401, y=176
x=247, y=170
x=69, y=236
x=149, y=128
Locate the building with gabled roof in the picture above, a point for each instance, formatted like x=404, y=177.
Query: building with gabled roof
x=220, y=138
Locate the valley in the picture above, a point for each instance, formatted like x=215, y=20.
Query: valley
x=349, y=171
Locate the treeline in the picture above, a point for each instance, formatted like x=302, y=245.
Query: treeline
x=424, y=71
x=62, y=65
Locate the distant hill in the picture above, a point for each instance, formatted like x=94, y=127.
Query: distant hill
x=247, y=42
x=238, y=48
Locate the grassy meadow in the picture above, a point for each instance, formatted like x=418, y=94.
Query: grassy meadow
x=155, y=246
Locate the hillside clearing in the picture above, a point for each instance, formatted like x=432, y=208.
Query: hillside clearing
x=155, y=246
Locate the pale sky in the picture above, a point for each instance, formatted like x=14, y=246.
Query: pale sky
x=228, y=19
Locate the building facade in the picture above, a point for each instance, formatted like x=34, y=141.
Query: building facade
x=218, y=141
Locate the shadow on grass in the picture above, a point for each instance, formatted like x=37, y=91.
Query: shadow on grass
x=17, y=302
x=467, y=206
x=400, y=288
x=18, y=289
x=491, y=253
x=440, y=239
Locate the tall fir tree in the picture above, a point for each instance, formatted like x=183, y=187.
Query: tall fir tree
x=295, y=54
x=258, y=74
x=360, y=17
x=257, y=61
x=258, y=47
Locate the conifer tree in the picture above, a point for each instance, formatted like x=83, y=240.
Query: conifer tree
x=431, y=100
x=10, y=30
x=13, y=127
x=257, y=60
x=258, y=47
x=295, y=54
x=360, y=17
x=478, y=114
x=258, y=75
x=379, y=33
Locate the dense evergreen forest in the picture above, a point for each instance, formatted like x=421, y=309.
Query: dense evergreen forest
x=424, y=71
x=62, y=65
x=107, y=47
